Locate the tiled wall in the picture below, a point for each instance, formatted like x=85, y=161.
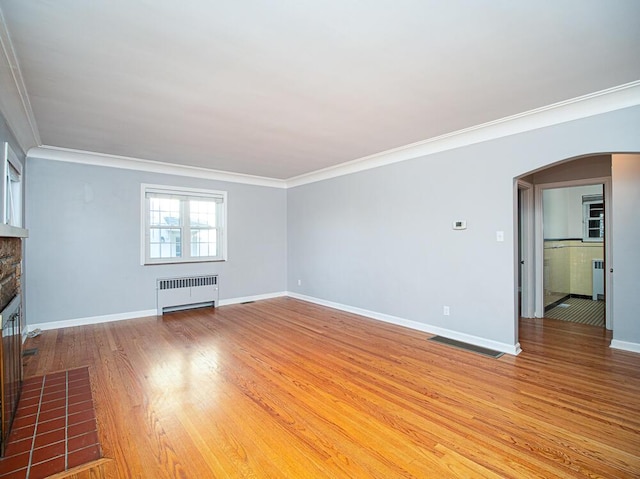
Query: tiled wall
x=567, y=267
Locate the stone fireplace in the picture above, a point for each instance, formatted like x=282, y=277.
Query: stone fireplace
x=11, y=325
x=10, y=269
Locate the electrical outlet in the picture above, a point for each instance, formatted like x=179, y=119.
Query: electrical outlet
x=299, y=282
x=446, y=311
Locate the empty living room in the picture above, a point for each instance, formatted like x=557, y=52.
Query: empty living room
x=333, y=239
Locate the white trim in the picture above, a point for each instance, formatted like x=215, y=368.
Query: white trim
x=586, y=216
x=69, y=323
x=13, y=231
x=625, y=346
x=11, y=160
x=603, y=101
x=107, y=318
x=127, y=163
x=526, y=242
x=26, y=130
x=608, y=253
x=407, y=323
x=616, y=98
x=7, y=151
x=145, y=188
x=11, y=157
x=143, y=225
x=257, y=297
x=503, y=347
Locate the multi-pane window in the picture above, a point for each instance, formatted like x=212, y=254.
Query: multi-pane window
x=593, y=218
x=183, y=225
x=12, y=200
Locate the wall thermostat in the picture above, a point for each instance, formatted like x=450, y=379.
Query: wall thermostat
x=460, y=225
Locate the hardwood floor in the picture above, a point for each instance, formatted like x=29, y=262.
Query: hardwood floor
x=287, y=389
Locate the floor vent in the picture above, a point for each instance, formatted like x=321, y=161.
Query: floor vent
x=175, y=294
x=467, y=347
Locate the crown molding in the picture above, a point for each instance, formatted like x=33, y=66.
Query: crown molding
x=127, y=163
x=617, y=98
x=604, y=101
x=14, y=100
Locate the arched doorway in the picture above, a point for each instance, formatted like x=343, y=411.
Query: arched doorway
x=536, y=287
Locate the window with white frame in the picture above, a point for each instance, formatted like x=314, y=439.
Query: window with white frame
x=183, y=225
x=12, y=197
x=593, y=218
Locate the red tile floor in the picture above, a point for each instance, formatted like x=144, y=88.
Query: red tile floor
x=54, y=428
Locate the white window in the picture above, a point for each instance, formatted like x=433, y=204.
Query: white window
x=12, y=197
x=183, y=225
x=592, y=218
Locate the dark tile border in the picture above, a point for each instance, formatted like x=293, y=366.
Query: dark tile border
x=54, y=428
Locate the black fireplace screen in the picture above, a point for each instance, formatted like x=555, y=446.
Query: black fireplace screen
x=11, y=368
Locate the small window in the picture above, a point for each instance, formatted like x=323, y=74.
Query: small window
x=12, y=197
x=593, y=218
x=183, y=225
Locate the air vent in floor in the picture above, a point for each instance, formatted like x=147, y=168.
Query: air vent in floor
x=467, y=347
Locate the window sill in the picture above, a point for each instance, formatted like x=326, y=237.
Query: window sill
x=183, y=261
x=7, y=231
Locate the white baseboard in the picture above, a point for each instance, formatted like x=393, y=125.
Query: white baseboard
x=69, y=323
x=427, y=328
x=513, y=349
x=257, y=297
x=625, y=346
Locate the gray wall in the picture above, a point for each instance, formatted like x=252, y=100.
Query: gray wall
x=83, y=252
x=626, y=247
x=381, y=239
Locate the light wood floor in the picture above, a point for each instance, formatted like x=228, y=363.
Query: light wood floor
x=286, y=389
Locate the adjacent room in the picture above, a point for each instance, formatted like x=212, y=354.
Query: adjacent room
x=331, y=239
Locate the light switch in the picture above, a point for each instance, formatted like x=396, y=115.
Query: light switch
x=460, y=225
x=500, y=236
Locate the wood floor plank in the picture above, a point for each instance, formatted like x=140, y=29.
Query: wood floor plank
x=287, y=389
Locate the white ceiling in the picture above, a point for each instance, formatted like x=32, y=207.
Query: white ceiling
x=281, y=88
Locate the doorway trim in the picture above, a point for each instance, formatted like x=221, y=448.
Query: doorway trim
x=526, y=227
x=539, y=242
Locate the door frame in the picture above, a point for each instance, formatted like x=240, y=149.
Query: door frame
x=525, y=192
x=539, y=242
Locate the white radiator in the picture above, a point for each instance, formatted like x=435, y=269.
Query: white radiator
x=598, y=278
x=174, y=294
